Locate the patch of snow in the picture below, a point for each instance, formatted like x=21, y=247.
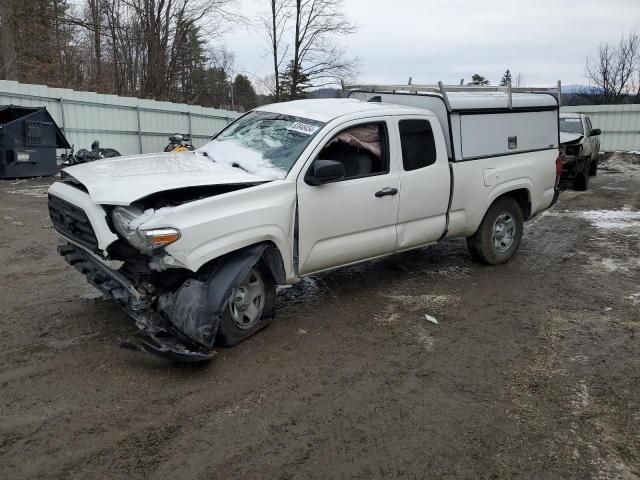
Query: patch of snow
x=230, y=152
x=612, y=219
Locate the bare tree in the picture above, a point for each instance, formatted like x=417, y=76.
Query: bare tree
x=8, y=61
x=519, y=80
x=613, y=69
x=274, y=25
x=95, y=12
x=316, y=57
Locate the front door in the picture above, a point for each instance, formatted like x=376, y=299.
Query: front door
x=354, y=218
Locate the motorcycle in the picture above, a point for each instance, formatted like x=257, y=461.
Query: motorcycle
x=83, y=155
x=179, y=143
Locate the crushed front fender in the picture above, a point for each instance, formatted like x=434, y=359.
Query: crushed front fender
x=180, y=326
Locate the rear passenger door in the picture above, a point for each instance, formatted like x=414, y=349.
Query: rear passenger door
x=424, y=181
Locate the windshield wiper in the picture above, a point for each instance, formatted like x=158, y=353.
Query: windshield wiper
x=237, y=165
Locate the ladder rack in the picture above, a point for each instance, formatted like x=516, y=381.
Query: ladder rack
x=443, y=89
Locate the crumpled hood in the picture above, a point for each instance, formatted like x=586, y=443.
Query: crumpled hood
x=568, y=138
x=123, y=180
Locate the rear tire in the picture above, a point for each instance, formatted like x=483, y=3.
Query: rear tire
x=499, y=235
x=250, y=309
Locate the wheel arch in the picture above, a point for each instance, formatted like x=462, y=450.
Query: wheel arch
x=523, y=197
x=271, y=257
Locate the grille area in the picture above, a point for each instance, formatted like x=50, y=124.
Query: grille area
x=72, y=222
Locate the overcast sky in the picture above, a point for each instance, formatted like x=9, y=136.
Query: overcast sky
x=448, y=40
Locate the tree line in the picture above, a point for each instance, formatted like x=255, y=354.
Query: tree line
x=614, y=72
x=162, y=49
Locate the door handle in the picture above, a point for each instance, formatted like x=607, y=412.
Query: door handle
x=386, y=191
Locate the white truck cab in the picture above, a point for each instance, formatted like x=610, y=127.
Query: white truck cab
x=192, y=244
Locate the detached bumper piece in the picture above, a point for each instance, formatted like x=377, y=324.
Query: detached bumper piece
x=156, y=334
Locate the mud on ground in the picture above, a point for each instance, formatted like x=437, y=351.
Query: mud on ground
x=532, y=372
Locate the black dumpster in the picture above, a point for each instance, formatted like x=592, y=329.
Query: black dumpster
x=28, y=140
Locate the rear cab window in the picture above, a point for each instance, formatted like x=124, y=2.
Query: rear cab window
x=417, y=143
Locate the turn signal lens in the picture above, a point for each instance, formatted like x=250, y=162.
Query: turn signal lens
x=162, y=236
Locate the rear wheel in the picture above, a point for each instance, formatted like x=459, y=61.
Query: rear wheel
x=250, y=308
x=498, y=236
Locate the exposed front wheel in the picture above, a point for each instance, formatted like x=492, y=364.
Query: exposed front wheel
x=250, y=308
x=593, y=168
x=581, y=182
x=498, y=236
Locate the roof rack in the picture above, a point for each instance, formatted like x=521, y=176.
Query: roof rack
x=443, y=89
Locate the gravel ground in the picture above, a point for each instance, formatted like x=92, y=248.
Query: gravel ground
x=532, y=372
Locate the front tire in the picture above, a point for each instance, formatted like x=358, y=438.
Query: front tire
x=593, y=168
x=499, y=235
x=250, y=309
x=581, y=182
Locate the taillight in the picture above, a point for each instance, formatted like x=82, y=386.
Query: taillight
x=558, y=167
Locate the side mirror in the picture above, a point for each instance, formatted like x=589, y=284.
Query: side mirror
x=324, y=171
x=595, y=132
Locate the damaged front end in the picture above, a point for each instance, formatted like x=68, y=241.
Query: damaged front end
x=177, y=312
x=176, y=309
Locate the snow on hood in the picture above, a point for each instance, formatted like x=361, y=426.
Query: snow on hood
x=230, y=152
x=123, y=180
x=570, y=137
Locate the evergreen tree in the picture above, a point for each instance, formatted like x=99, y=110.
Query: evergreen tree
x=506, y=78
x=190, y=64
x=217, y=90
x=302, y=84
x=244, y=93
x=477, y=79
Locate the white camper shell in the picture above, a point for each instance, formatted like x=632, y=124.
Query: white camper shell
x=480, y=123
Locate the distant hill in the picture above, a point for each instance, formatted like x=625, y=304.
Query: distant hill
x=583, y=89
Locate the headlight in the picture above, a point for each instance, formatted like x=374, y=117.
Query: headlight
x=127, y=220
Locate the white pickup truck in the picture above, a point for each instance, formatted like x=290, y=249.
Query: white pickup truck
x=192, y=244
x=579, y=148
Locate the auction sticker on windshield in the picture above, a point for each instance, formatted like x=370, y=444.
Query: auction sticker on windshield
x=303, y=128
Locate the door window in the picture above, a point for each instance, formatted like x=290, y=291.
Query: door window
x=418, y=144
x=362, y=149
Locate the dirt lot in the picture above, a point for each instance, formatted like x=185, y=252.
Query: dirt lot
x=533, y=372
